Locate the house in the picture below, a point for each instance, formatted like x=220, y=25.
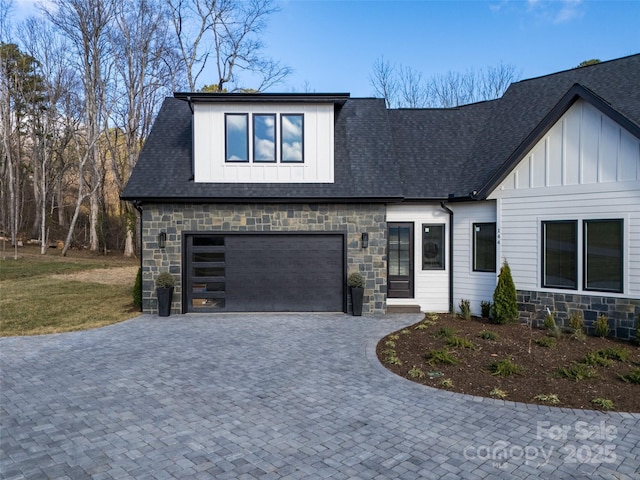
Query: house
x=265, y=202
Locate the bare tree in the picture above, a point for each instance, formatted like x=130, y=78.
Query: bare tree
x=85, y=23
x=405, y=87
x=235, y=27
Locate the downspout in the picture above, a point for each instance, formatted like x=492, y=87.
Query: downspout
x=450, y=212
x=138, y=206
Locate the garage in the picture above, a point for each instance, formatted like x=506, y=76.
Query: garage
x=264, y=272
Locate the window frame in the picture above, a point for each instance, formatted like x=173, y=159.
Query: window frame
x=226, y=137
x=474, y=259
x=442, y=247
x=282, y=138
x=544, y=254
x=585, y=253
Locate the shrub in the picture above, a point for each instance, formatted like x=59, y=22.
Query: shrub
x=505, y=307
x=603, y=403
x=442, y=356
x=550, y=325
x=416, y=372
x=355, y=280
x=576, y=324
x=465, y=309
x=488, y=335
x=595, y=359
x=547, y=342
x=485, y=307
x=614, y=353
x=137, y=290
x=165, y=280
x=632, y=377
x=445, y=332
x=498, y=393
x=460, y=342
x=602, y=326
x=578, y=371
x=505, y=367
x=552, y=398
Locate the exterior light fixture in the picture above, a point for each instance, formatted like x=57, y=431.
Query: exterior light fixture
x=365, y=239
x=162, y=239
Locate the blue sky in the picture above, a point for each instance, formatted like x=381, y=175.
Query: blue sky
x=331, y=45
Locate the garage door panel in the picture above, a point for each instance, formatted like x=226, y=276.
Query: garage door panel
x=284, y=272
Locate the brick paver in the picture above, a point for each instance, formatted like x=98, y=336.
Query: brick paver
x=273, y=397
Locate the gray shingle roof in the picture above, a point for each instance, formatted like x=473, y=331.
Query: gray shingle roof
x=389, y=155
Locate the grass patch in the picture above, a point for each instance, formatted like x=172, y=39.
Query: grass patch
x=45, y=305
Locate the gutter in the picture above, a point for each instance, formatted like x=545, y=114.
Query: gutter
x=450, y=212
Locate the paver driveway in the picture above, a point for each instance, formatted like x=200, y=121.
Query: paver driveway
x=273, y=396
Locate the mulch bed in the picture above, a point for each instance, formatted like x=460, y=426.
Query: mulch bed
x=540, y=365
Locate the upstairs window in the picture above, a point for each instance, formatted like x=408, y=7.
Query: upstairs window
x=237, y=137
x=264, y=139
x=292, y=138
x=484, y=247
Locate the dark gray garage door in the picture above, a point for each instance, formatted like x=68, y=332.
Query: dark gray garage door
x=265, y=273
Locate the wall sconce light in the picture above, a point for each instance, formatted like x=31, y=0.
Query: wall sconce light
x=365, y=239
x=162, y=239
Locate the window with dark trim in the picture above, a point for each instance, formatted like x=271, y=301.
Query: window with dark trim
x=603, y=255
x=433, y=247
x=560, y=254
x=484, y=247
x=291, y=137
x=236, y=137
x=264, y=138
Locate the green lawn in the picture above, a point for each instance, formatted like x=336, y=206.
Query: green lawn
x=33, y=301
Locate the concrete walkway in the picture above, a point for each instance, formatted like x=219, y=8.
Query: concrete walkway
x=273, y=396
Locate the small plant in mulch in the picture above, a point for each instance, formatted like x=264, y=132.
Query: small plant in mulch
x=460, y=342
x=505, y=367
x=465, y=309
x=445, y=332
x=421, y=326
x=446, y=383
x=485, y=308
x=547, y=342
x=595, y=358
x=631, y=377
x=603, y=403
x=578, y=371
x=550, y=398
x=601, y=326
x=391, y=357
x=406, y=331
x=615, y=353
x=550, y=325
x=498, y=393
x=441, y=356
x=431, y=318
x=390, y=344
x=576, y=326
x=415, y=372
x=489, y=335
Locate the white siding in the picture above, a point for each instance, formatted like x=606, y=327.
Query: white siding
x=431, y=287
x=209, y=146
x=595, y=175
x=467, y=284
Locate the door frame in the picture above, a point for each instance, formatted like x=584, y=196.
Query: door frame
x=410, y=279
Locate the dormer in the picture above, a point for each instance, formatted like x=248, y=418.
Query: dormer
x=263, y=138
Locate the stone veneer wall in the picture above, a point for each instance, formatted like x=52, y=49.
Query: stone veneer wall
x=350, y=218
x=622, y=313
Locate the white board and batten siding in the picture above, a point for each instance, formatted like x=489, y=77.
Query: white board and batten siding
x=467, y=284
x=431, y=287
x=209, y=145
x=585, y=167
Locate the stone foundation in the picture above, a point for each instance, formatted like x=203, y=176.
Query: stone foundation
x=353, y=219
x=622, y=313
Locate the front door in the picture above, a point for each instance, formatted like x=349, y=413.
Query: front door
x=400, y=260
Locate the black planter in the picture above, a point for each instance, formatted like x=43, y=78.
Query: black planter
x=357, y=296
x=165, y=296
